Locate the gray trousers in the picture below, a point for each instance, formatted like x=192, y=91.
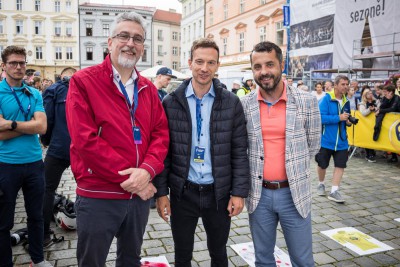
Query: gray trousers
x=99, y=220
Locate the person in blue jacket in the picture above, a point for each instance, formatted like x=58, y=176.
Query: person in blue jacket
x=335, y=113
x=58, y=141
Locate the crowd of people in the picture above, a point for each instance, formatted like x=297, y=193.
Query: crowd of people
x=201, y=151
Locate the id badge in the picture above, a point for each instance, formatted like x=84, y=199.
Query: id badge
x=199, y=154
x=137, y=137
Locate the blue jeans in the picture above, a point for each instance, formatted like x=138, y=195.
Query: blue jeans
x=99, y=220
x=277, y=206
x=29, y=177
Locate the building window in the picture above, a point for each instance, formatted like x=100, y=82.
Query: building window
x=184, y=34
x=68, y=29
x=19, y=4
x=175, y=36
x=262, y=2
x=69, y=53
x=160, y=35
x=37, y=5
x=20, y=26
x=58, y=52
x=106, y=14
x=189, y=29
x=241, y=42
x=160, y=52
x=194, y=30
x=57, y=29
x=106, y=29
x=211, y=17
x=89, y=53
x=105, y=52
x=68, y=6
x=242, y=6
x=225, y=45
x=194, y=4
x=1, y=27
x=174, y=65
x=279, y=33
x=226, y=11
x=144, y=57
x=1, y=8
x=39, y=52
x=38, y=27
x=200, y=29
x=57, y=6
x=184, y=11
x=263, y=34
x=1, y=47
x=89, y=29
x=174, y=51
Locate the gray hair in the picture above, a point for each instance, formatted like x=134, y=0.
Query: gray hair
x=130, y=16
x=341, y=77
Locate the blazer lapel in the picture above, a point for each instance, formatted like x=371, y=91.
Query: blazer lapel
x=255, y=116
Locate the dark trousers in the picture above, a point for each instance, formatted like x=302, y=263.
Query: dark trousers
x=185, y=212
x=53, y=170
x=99, y=220
x=378, y=126
x=29, y=177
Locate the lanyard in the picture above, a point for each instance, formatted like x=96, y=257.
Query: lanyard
x=198, y=118
x=135, y=98
x=26, y=113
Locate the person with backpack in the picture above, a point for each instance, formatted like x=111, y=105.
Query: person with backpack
x=58, y=141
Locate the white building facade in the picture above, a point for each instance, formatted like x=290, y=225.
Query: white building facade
x=192, y=28
x=96, y=24
x=166, y=39
x=47, y=29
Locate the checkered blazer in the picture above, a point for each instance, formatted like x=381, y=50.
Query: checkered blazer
x=303, y=134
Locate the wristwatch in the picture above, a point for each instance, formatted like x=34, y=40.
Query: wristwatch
x=13, y=125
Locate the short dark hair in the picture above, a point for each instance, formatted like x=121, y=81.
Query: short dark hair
x=318, y=83
x=267, y=47
x=390, y=88
x=340, y=77
x=12, y=49
x=203, y=43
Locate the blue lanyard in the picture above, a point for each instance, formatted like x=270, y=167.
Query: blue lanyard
x=198, y=117
x=135, y=98
x=26, y=113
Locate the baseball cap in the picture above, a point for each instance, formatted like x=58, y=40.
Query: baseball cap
x=166, y=71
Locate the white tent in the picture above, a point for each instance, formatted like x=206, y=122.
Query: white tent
x=152, y=73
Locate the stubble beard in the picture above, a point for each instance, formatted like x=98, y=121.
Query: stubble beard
x=267, y=88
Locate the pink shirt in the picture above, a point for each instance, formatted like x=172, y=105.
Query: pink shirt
x=273, y=127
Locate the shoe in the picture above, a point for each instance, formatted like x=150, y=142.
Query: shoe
x=321, y=190
x=370, y=159
x=393, y=160
x=41, y=264
x=335, y=196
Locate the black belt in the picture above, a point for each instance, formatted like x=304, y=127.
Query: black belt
x=199, y=187
x=275, y=185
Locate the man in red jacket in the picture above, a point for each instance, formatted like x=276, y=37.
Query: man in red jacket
x=119, y=140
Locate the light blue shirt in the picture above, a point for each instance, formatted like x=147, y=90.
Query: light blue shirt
x=201, y=173
x=25, y=148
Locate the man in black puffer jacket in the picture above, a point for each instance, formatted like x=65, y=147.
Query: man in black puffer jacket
x=207, y=168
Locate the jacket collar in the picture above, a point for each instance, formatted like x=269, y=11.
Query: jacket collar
x=180, y=93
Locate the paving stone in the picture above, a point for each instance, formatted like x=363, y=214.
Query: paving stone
x=365, y=262
x=323, y=258
x=384, y=259
x=339, y=254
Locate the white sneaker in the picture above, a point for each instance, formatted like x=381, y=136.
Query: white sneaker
x=335, y=196
x=321, y=190
x=41, y=264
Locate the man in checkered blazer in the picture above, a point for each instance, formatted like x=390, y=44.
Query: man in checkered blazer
x=284, y=131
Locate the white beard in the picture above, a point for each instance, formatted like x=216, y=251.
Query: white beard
x=126, y=62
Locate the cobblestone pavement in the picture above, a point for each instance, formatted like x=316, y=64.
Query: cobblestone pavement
x=372, y=194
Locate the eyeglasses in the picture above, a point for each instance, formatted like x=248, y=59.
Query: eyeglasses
x=14, y=64
x=124, y=38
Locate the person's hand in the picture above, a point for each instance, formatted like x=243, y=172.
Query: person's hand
x=137, y=181
x=235, y=206
x=148, y=192
x=372, y=108
x=344, y=116
x=5, y=125
x=163, y=207
x=377, y=112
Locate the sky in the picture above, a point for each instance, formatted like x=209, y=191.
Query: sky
x=159, y=4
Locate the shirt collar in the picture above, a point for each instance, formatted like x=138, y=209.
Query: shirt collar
x=190, y=90
x=282, y=98
x=117, y=77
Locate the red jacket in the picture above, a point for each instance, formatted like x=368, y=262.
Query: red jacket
x=94, y=101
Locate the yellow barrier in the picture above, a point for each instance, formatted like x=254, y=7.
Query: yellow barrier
x=360, y=135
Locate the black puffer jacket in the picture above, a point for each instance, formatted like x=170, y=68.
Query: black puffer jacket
x=230, y=165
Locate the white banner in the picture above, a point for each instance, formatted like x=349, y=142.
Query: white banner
x=358, y=20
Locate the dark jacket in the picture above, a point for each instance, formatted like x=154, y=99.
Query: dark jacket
x=389, y=105
x=57, y=135
x=228, y=134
